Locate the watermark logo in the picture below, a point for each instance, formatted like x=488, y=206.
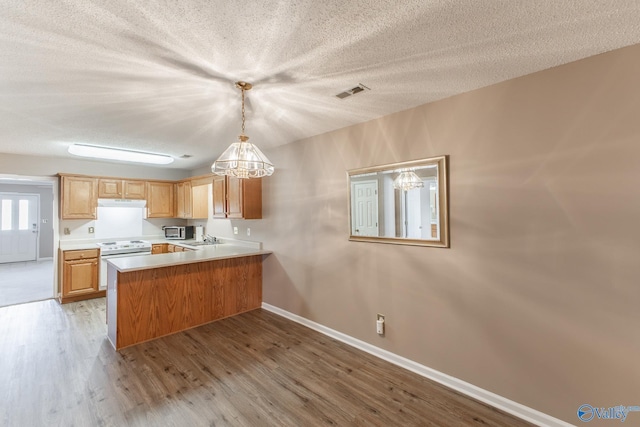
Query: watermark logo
x=587, y=412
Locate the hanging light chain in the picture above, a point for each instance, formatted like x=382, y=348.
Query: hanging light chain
x=242, y=89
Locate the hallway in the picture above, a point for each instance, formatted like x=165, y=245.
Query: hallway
x=22, y=282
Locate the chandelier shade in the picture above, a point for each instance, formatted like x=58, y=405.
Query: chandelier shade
x=243, y=159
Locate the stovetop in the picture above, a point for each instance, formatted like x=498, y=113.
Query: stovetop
x=124, y=247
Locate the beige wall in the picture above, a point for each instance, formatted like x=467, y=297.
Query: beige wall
x=538, y=298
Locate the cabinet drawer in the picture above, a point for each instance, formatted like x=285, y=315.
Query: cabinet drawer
x=81, y=254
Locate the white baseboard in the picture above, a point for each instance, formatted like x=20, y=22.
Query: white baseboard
x=502, y=403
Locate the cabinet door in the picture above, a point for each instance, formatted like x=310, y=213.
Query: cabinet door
x=237, y=198
x=251, y=198
x=79, y=199
x=244, y=198
x=180, y=200
x=109, y=188
x=234, y=197
x=219, y=196
x=80, y=277
x=200, y=201
x=160, y=202
x=188, y=210
x=183, y=200
x=158, y=248
x=134, y=190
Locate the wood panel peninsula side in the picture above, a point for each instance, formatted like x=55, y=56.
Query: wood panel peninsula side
x=152, y=296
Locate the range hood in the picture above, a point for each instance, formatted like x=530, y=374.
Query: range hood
x=121, y=203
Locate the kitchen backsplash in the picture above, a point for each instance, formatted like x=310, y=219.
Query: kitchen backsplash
x=80, y=229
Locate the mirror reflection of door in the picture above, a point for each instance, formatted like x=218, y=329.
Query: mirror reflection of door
x=418, y=211
x=18, y=227
x=365, y=208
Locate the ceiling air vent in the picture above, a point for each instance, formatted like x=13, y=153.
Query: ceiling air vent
x=352, y=91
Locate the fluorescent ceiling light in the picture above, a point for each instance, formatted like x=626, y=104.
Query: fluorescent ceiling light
x=105, y=153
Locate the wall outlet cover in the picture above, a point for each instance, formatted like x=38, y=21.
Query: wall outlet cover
x=235, y=230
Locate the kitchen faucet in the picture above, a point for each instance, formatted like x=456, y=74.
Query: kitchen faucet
x=210, y=239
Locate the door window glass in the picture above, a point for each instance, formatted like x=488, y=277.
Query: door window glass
x=23, y=215
x=6, y=214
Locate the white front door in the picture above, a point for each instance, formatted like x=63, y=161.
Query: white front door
x=18, y=227
x=365, y=209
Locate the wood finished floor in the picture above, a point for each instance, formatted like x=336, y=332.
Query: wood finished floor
x=255, y=369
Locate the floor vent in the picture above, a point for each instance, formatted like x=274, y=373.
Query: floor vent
x=352, y=91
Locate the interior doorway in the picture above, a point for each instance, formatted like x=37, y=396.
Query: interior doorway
x=26, y=239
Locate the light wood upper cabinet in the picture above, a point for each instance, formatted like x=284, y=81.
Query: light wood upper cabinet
x=192, y=198
x=200, y=201
x=79, y=197
x=183, y=200
x=109, y=188
x=232, y=198
x=160, y=199
x=237, y=198
x=219, y=196
x=134, y=189
x=121, y=189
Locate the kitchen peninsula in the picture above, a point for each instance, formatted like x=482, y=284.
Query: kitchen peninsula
x=152, y=296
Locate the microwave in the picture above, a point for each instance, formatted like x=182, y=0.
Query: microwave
x=178, y=232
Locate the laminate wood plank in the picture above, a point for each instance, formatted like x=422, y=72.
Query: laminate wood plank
x=254, y=369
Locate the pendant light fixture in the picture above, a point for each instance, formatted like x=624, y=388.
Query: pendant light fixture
x=243, y=159
x=407, y=180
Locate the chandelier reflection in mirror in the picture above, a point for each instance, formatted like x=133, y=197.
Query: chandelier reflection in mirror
x=401, y=203
x=243, y=159
x=407, y=180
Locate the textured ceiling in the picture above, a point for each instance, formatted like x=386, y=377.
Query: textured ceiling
x=158, y=75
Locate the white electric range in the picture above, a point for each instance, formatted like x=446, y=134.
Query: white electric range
x=118, y=249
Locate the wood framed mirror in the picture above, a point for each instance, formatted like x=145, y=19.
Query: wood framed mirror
x=401, y=203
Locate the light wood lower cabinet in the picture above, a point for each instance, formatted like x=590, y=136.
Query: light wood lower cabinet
x=80, y=277
x=159, y=248
x=164, y=248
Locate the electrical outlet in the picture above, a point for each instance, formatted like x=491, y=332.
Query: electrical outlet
x=248, y=231
x=67, y=231
x=235, y=230
x=91, y=230
x=380, y=324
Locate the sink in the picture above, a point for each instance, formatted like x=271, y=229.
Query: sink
x=201, y=244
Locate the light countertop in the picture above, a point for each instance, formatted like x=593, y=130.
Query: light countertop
x=200, y=254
